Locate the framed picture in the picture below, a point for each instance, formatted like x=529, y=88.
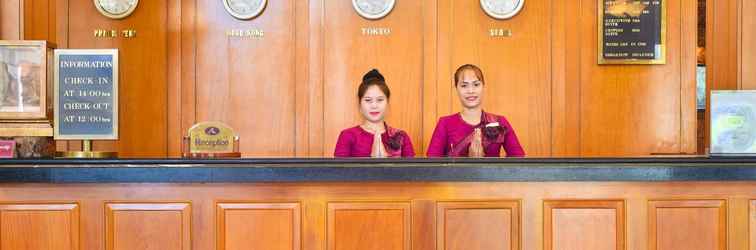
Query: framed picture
x=632, y=31
x=24, y=80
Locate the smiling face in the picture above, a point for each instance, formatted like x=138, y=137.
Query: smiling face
x=373, y=104
x=469, y=89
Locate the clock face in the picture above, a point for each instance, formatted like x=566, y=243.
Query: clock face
x=116, y=9
x=502, y=9
x=373, y=9
x=244, y=9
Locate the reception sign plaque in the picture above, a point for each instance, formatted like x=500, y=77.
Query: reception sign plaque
x=211, y=140
x=632, y=32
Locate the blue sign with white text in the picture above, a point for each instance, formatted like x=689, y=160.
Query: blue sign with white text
x=86, y=95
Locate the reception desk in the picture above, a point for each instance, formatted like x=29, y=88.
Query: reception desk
x=419, y=204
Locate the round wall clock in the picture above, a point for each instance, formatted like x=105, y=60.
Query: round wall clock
x=373, y=9
x=244, y=9
x=116, y=9
x=502, y=9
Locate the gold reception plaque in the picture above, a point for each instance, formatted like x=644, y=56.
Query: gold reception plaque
x=211, y=140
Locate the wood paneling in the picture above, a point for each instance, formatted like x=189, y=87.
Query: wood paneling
x=274, y=226
x=381, y=220
x=292, y=91
x=565, y=83
x=39, y=226
x=39, y=20
x=752, y=225
x=11, y=20
x=368, y=225
x=517, y=69
x=148, y=226
x=478, y=225
x=143, y=72
x=349, y=54
x=636, y=110
x=687, y=224
x=584, y=224
x=747, y=45
x=248, y=82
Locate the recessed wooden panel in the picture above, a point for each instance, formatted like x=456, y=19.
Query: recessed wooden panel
x=39, y=226
x=248, y=82
x=584, y=224
x=478, y=225
x=368, y=225
x=516, y=69
x=687, y=224
x=273, y=226
x=636, y=110
x=142, y=73
x=148, y=226
x=349, y=54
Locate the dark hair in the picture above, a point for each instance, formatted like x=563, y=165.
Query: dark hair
x=463, y=68
x=373, y=78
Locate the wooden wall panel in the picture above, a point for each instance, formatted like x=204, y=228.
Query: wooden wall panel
x=142, y=76
x=748, y=45
x=478, y=225
x=248, y=82
x=544, y=78
x=349, y=54
x=687, y=224
x=274, y=226
x=148, y=226
x=584, y=225
x=39, y=226
x=636, y=110
x=517, y=69
x=368, y=225
x=39, y=20
x=752, y=225
x=11, y=20
x=565, y=89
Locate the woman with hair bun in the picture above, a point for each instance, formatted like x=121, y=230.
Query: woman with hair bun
x=373, y=138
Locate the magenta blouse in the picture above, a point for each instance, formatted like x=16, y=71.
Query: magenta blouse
x=452, y=129
x=356, y=142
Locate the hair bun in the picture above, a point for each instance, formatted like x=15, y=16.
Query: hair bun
x=373, y=74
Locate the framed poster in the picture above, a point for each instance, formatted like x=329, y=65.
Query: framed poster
x=632, y=32
x=23, y=80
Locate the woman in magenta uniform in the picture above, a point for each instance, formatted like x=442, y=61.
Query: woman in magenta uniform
x=373, y=138
x=473, y=132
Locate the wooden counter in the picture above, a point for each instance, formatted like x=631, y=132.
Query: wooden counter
x=654, y=203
